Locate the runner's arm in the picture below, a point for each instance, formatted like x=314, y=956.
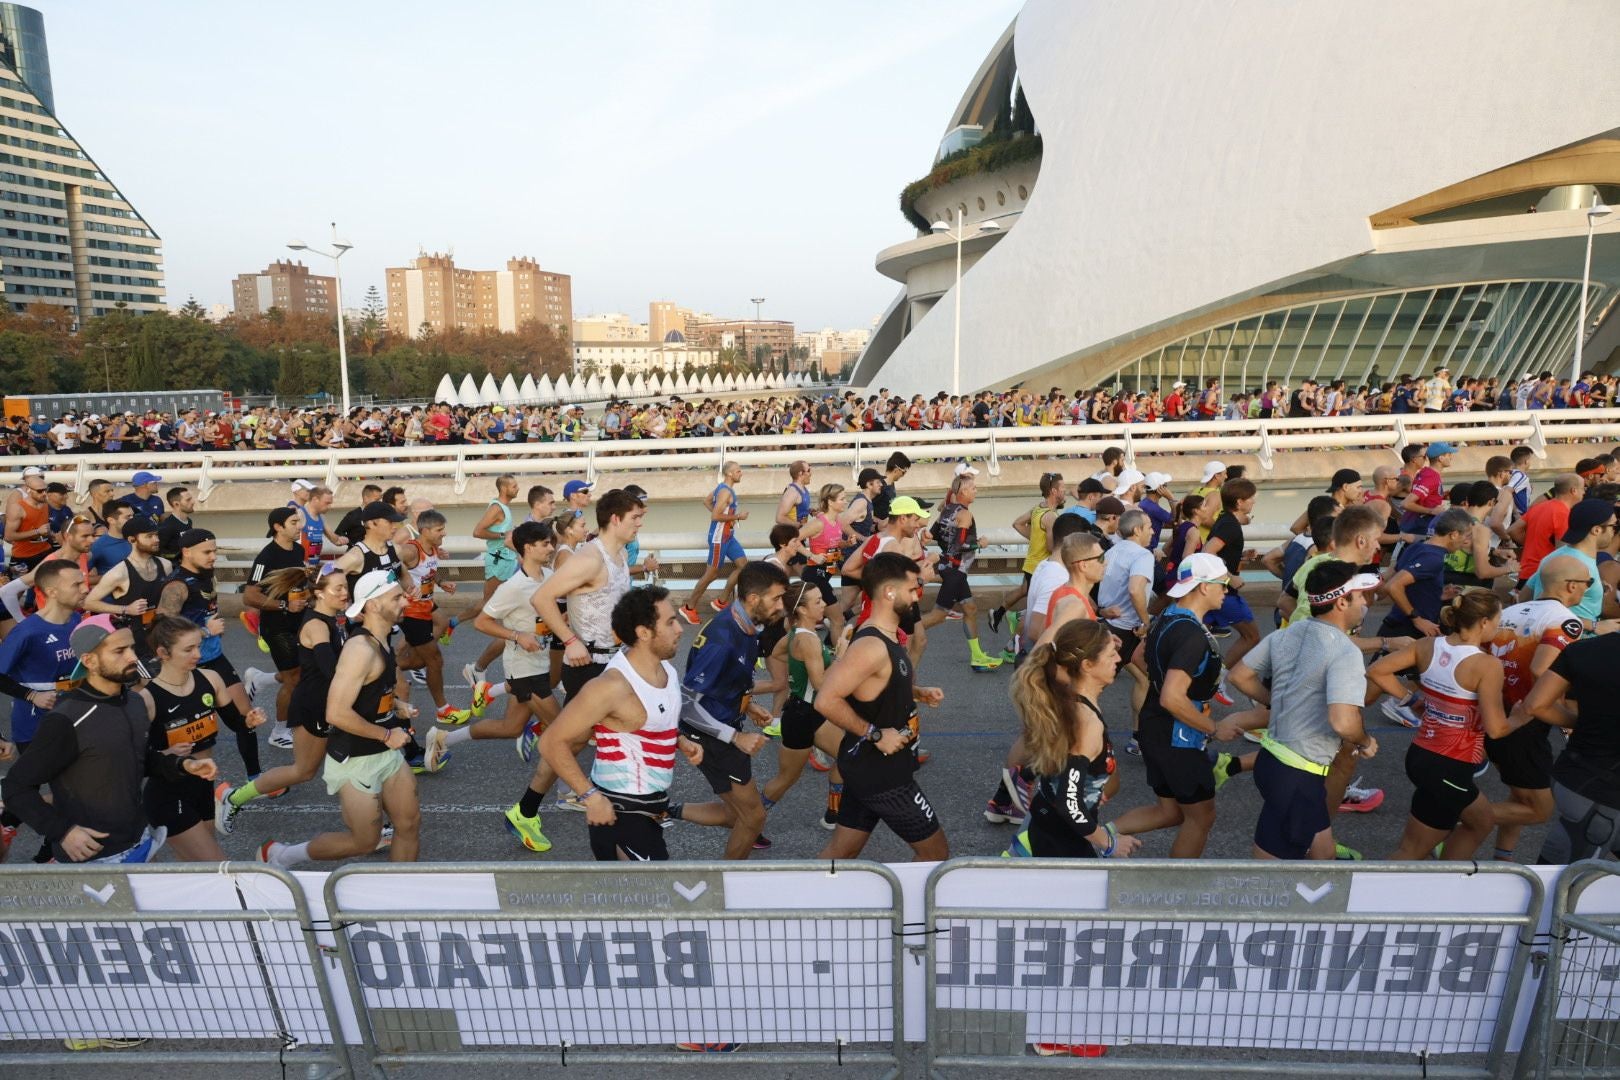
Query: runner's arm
x=354, y=668
x=1383, y=676
x=863, y=659
x=1021, y=524
x=573, y=726
x=785, y=507
x=1174, y=700
x=482, y=530
x=1492, y=717
x=1545, y=702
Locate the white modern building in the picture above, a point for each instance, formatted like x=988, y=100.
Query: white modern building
x=1264, y=190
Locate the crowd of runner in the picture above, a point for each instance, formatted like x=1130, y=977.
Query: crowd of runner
x=1502, y=599
x=269, y=428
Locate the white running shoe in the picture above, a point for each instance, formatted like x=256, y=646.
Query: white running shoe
x=251, y=678
x=281, y=737
x=418, y=676
x=436, y=747
x=1401, y=713
x=469, y=673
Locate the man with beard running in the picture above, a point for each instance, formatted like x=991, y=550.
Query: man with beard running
x=868, y=693
x=632, y=711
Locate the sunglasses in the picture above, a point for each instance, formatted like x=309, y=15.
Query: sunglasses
x=1086, y=559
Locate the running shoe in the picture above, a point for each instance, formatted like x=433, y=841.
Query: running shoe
x=276, y=794
x=1361, y=799
x=264, y=850
x=102, y=1044
x=984, y=663
x=452, y=716
x=689, y=614
x=249, y=619
x=281, y=737
x=1345, y=853
x=251, y=677
x=709, y=1048
x=819, y=761
x=1133, y=747
x=480, y=697
x=1224, y=697
x=762, y=843
x=922, y=756
x=1018, y=789
x=526, y=829
x=996, y=615
x=1002, y=813
x=8, y=836
x=529, y=741
x=224, y=812
x=1009, y=655
x=773, y=730
x=718, y=605
x=953, y=616
x=829, y=820
x=1090, y=1050
x=419, y=677
x=449, y=630
x=437, y=750
x=569, y=802
x=1255, y=735
x=1223, y=769
x=385, y=839
x=1400, y=712
x=469, y=673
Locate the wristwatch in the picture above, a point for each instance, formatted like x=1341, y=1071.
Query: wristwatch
x=873, y=734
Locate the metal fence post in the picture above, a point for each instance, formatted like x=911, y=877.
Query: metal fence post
x=1579, y=981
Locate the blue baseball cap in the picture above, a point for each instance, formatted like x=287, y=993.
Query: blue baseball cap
x=144, y=477
x=573, y=486
x=1440, y=449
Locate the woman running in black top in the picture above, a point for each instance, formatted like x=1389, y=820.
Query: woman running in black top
x=320, y=640
x=188, y=704
x=1055, y=692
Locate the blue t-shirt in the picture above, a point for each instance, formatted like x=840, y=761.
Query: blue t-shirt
x=1160, y=517
x=58, y=517
x=151, y=506
x=36, y=653
x=1427, y=565
x=720, y=665
x=107, y=552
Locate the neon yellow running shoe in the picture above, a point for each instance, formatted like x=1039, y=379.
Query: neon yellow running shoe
x=773, y=730
x=526, y=829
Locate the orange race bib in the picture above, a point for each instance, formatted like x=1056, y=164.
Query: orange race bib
x=385, y=707
x=65, y=685
x=194, y=731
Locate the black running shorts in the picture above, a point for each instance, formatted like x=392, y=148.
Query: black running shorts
x=904, y=809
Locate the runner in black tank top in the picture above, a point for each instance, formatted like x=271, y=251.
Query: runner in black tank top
x=315, y=666
x=374, y=702
x=876, y=754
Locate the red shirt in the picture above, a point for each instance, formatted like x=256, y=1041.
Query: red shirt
x=1544, y=524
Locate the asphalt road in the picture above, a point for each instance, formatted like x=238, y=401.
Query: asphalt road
x=967, y=738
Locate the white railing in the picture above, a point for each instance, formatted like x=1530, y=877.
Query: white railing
x=1264, y=439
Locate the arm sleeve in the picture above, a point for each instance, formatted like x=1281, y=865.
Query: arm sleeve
x=161, y=765
x=11, y=595
x=326, y=658
x=1071, y=795
x=54, y=748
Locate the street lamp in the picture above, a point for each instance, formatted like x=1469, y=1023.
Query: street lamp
x=959, y=234
x=756, y=301
x=336, y=255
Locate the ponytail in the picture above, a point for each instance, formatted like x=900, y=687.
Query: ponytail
x=1468, y=609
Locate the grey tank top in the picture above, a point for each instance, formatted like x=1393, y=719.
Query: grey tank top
x=590, y=612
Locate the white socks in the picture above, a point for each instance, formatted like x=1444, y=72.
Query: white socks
x=265, y=683
x=287, y=856
x=458, y=735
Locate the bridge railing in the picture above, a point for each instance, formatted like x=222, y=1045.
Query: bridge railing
x=992, y=446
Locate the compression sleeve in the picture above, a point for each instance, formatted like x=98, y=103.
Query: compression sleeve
x=12, y=688
x=1071, y=795
x=326, y=658
x=11, y=595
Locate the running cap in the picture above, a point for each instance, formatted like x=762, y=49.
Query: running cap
x=1108, y=506
x=278, y=518
x=638, y=491
x=964, y=469
x=189, y=539
x=1343, y=477
x=145, y=477
x=33, y=470
x=139, y=524
x=867, y=476
x=302, y=485
x=1156, y=480
x=371, y=585
x=1440, y=449
x=1359, y=583
x=376, y=511
x=575, y=485
x=90, y=633
x=1090, y=486
x=1212, y=469
x=1199, y=568
x=1585, y=516
x=1127, y=479
x=905, y=506
x=1178, y=386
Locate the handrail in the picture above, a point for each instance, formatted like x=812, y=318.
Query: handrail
x=857, y=450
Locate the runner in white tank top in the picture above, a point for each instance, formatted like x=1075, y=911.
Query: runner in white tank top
x=640, y=762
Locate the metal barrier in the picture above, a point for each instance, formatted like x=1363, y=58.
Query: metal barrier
x=1576, y=1030
x=571, y=963
x=856, y=450
x=207, y=965
x=1235, y=967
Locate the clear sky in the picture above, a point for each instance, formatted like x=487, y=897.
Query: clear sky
x=702, y=151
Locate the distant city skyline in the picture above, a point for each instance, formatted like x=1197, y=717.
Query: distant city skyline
x=711, y=150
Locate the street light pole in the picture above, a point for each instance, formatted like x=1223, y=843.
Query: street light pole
x=959, y=234
x=336, y=255
x=1593, y=212
x=757, y=301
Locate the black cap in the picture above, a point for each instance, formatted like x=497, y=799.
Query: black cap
x=1585, y=516
x=279, y=516
x=1091, y=486
x=192, y=537
x=139, y=524
x=372, y=511
x=1343, y=477
x=867, y=476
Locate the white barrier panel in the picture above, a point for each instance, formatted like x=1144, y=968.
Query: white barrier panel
x=1275, y=958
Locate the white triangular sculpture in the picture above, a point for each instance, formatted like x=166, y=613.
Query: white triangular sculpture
x=467, y=393
x=622, y=387
x=488, y=392
x=594, y=385
x=447, y=389
x=706, y=384
x=683, y=385
x=526, y=389
x=638, y=386
x=658, y=385
x=509, y=390
x=581, y=389
x=544, y=392
x=732, y=382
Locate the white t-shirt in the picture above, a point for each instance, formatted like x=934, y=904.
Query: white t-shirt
x=1046, y=579
x=510, y=606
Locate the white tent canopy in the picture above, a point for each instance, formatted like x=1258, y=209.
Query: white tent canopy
x=446, y=390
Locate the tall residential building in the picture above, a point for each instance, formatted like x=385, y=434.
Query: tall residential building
x=743, y=334
x=67, y=236
x=436, y=293
x=286, y=285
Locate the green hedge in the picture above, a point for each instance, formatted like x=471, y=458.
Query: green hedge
x=985, y=157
